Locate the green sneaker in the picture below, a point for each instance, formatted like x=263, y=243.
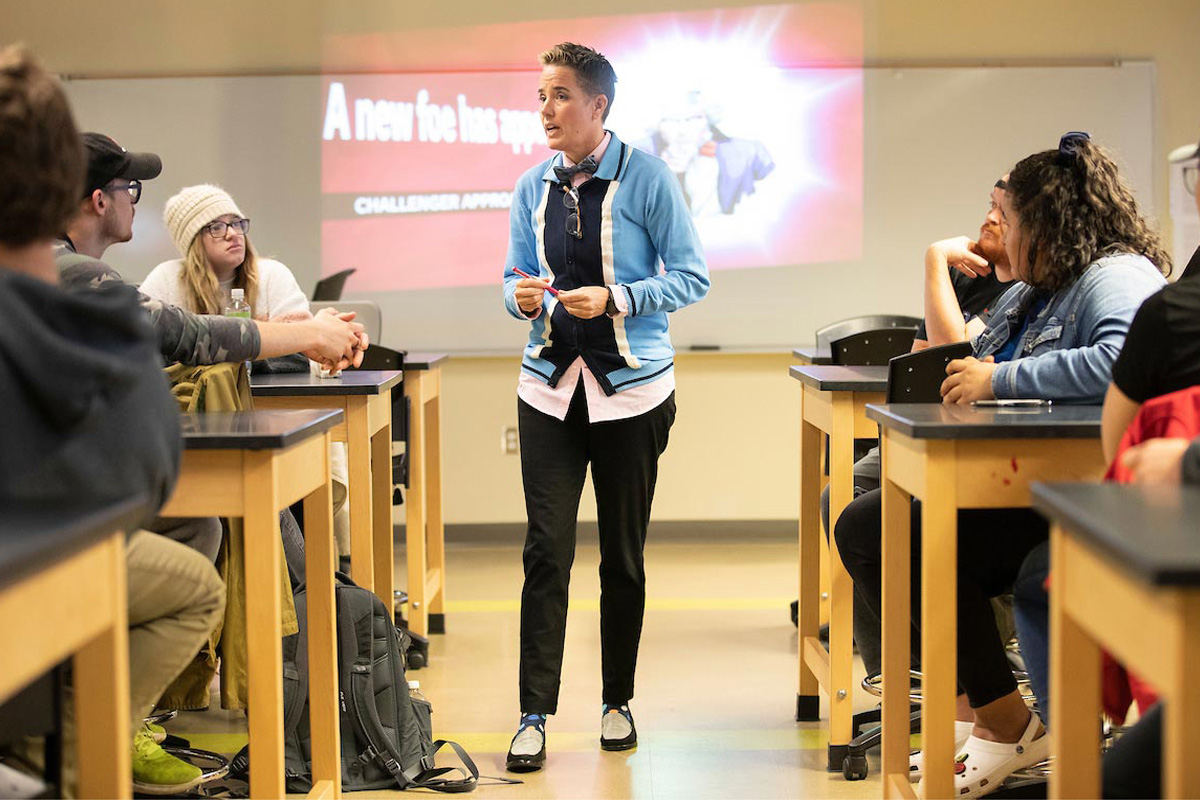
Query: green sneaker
x=155, y=771
x=157, y=732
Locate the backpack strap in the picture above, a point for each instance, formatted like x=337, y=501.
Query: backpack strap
x=293, y=712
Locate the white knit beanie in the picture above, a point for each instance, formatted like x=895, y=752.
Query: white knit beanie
x=193, y=208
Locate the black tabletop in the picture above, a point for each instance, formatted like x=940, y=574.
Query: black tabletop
x=255, y=430
x=34, y=535
x=422, y=361
x=842, y=379
x=937, y=421
x=814, y=354
x=1152, y=532
x=294, y=384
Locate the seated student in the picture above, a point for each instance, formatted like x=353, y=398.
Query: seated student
x=1161, y=355
x=1087, y=259
x=963, y=278
x=104, y=216
x=88, y=416
x=213, y=238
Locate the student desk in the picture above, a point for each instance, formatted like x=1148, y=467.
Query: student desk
x=62, y=593
x=254, y=464
x=951, y=458
x=832, y=401
x=424, y=526
x=365, y=399
x=1125, y=566
x=812, y=355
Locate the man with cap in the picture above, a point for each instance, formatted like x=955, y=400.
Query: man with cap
x=105, y=217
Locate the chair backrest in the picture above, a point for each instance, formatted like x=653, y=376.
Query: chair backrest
x=917, y=377
x=838, y=330
x=331, y=288
x=369, y=315
x=871, y=348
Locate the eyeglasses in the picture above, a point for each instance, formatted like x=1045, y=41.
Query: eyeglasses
x=217, y=229
x=133, y=187
x=574, y=220
x=1190, y=174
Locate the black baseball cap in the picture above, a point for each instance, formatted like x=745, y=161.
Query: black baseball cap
x=107, y=160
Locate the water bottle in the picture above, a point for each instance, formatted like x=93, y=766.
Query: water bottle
x=238, y=307
x=414, y=691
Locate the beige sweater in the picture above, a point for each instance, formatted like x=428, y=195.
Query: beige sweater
x=279, y=296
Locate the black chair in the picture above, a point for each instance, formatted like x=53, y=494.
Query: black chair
x=870, y=322
x=917, y=377
x=873, y=347
x=331, y=288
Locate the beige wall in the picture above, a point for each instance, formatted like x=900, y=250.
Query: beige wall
x=732, y=453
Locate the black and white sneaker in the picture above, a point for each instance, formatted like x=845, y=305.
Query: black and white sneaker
x=617, y=731
x=527, y=753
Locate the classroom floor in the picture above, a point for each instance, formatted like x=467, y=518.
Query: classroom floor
x=716, y=681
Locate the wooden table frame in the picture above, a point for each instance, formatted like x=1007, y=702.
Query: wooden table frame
x=367, y=432
x=256, y=485
x=946, y=475
x=1152, y=630
x=425, y=526
x=96, y=633
x=842, y=415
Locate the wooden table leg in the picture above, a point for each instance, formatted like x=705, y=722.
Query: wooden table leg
x=358, y=456
x=102, y=691
x=320, y=561
x=841, y=587
x=435, y=531
x=414, y=532
x=808, y=698
x=381, y=494
x=939, y=615
x=263, y=630
x=897, y=627
x=1074, y=688
x=1181, y=743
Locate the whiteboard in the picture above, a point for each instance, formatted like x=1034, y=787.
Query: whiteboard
x=935, y=139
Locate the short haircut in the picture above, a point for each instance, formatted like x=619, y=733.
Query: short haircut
x=595, y=74
x=41, y=158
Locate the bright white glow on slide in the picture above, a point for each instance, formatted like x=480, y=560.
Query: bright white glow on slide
x=757, y=111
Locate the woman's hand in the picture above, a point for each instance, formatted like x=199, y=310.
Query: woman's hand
x=970, y=379
x=585, y=302
x=1156, y=460
x=962, y=253
x=529, y=294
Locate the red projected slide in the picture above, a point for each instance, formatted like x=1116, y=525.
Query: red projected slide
x=758, y=112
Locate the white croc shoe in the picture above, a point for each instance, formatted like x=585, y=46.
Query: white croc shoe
x=982, y=766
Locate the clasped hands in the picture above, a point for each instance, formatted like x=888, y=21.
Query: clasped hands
x=341, y=342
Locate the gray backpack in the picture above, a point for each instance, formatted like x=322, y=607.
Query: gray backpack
x=386, y=735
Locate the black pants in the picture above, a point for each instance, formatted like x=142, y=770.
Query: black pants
x=992, y=543
x=554, y=459
x=1133, y=767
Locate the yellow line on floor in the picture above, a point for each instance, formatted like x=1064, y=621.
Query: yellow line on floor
x=661, y=741
x=652, y=604
x=217, y=742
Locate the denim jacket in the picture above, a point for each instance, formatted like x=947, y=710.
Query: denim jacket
x=1067, y=352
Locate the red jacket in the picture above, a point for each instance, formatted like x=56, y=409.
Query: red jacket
x=1169, y=416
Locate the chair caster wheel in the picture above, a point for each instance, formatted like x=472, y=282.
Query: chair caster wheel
x=854, y=767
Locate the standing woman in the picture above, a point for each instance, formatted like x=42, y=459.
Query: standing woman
x=212, y=235
x=607, y=231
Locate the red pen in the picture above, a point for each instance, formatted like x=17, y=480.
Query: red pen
x=524, y=274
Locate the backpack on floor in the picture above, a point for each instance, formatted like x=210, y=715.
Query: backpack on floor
x=386, y=735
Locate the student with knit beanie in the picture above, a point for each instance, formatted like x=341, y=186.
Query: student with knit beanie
x=212, y=236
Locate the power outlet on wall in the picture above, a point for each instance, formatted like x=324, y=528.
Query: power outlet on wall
x=508, y=440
